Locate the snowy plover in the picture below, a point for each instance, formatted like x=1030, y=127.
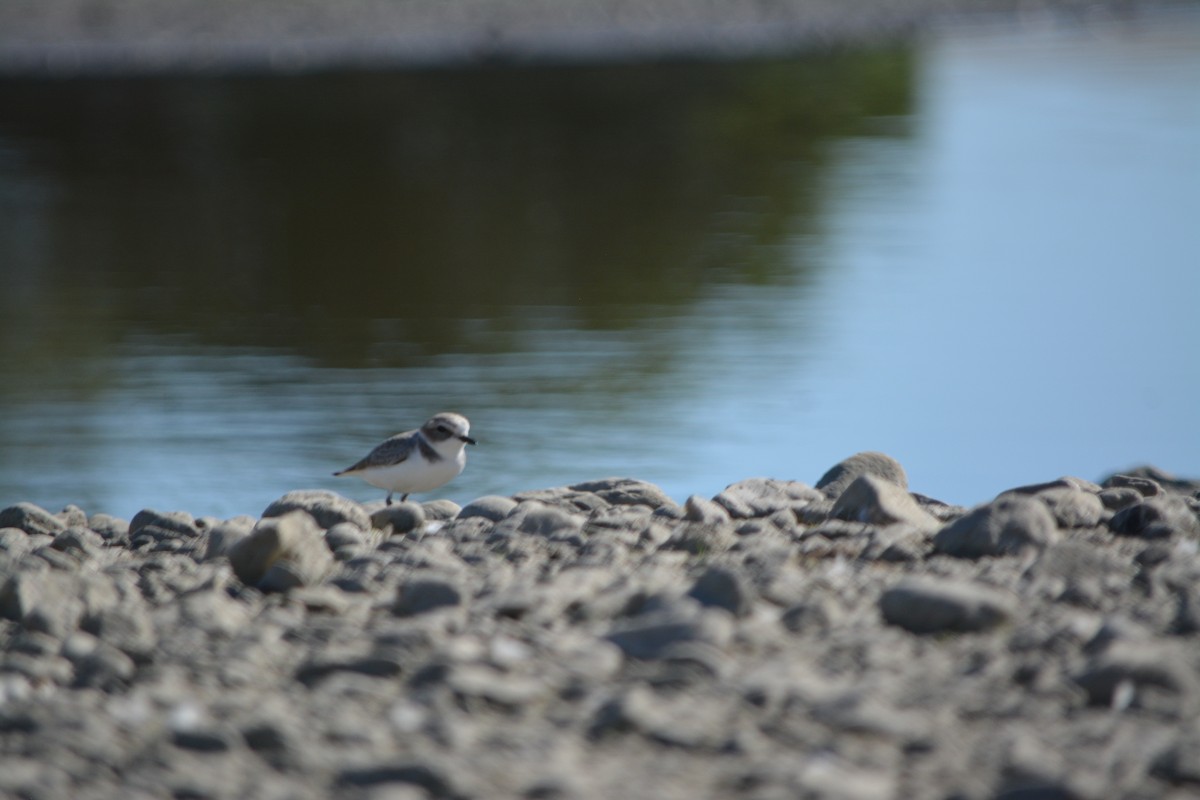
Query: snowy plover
x=417, y=461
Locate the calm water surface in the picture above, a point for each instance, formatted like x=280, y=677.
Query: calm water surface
x=980, y=256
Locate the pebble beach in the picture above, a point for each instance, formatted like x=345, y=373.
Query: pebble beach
x=842, y=639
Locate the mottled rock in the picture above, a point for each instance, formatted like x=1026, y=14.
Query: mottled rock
x=492, y=507
x=933, y=605
x=1120, y=497
x=127, y=627
x=811, y=614
x=79, y=542
x=1157, y=518
x=399, y=518
x=1075, y=503
x=441, y=510
x=435, y=781
x=653, y=634
x=73, y=516
x=684, y=721
x=1146, y=487
x=112, y=529
x=225, y=535
x=15, y=542
x=539, y=519
x=293, y=542
x=44, y=601
x=344, y=534
x=565, y=499
x=878, y=465
x=31, y=519
x=421, y=595
x=172, y=524
x=1179, y=762
x=724, y=587
x=1127, y=670
x=1065, y=482
x=701, y=539
x=762, y=497
x=698, y=509
x=327, y=508
x=1006, y=526
x=625, y=492
x=98, y=665
x=878, y=502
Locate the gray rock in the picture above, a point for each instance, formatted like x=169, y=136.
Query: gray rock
x=698, y=509
x=626, y=492
x=1145, y=667
x=653, y=635
x=57, y=559
x=700, y=539
x=98, y=665
x=844, y=473
x=1157, y=518
x=31, y=519
x=564, y=498
x=1006, y=526
x=933, y=605
x=224, y=536
x=427, y=776
x=73, y=517
x=79, y=542
x=421, y=595
x=762, y=497
x=441, y=510
x=1065, y=482
x=15, y=542
x=344, y=535
x=127, y=627
x=878, y=502
x=812, y=614
x=113, y=530
x=399, y=518
x=1146, y=487
x=723, y=587
x=1070, y=500
x=327, y=508
x=687, y=722
x=203, y=738
x=1179, y=762
x=45, y=601
x=293, y=541
x=492, y=506
x=541, y=520
x=173, y=524
x=1074, y=508
x=1119, y=497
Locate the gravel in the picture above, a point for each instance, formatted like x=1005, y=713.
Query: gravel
x=598, y=641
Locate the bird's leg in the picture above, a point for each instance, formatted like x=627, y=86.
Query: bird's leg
x=404, y=499
x=388, y=502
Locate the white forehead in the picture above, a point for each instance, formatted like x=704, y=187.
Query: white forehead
x=457, y=421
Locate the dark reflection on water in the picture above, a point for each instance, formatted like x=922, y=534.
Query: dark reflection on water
x=219, y=289
x=332, y=215
x=978, y=257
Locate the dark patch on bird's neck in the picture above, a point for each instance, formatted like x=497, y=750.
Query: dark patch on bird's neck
x=426, y=449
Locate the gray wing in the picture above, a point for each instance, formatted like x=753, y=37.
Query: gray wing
x=392, y=451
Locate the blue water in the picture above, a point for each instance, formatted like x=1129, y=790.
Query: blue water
x=997, y=287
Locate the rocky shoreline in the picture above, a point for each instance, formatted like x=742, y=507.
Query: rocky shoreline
x=848, y=639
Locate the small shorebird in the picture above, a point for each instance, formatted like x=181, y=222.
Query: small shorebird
x=417, y=461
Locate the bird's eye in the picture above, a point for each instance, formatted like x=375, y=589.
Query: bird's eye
x=442, y=429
